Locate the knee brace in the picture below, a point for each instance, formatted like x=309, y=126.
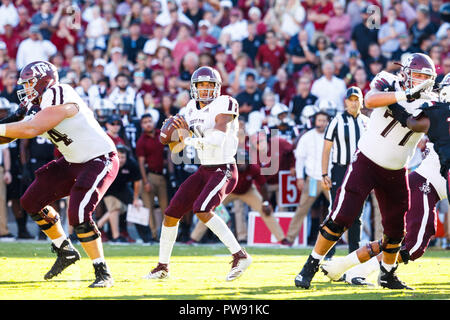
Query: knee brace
x=333, y=227
x=387, y=240
x=87, y=231
x=42, y=216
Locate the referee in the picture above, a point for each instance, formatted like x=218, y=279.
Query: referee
x=341, y=136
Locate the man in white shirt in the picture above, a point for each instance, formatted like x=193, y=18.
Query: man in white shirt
x=34, y=49
x=389, y=32
x=8, y=15
x=329, y=87
x=308, y=168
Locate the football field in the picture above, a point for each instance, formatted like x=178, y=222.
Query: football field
x=198, y=273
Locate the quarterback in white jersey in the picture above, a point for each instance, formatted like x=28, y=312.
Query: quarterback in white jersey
x=379, y=164
x=85, y=171
x=213, y=120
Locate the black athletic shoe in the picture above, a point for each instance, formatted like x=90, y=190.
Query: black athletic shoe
x=103, y=278
x=389, y=279
x=24, y=235
x=67, y=255
x=305, y=276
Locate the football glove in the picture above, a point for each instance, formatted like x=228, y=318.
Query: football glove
x=399, y=113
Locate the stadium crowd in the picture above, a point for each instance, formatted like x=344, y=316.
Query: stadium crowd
x=131, y=61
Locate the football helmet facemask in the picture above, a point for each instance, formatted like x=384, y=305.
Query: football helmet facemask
x=35, y=78
x=205, y=74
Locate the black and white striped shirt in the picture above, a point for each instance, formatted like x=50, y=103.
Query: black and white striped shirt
x=344, y=131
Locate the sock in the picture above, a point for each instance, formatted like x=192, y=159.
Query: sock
x=99, y=260
x=221, y=230
x=316, y=256
x=388, y=267
x=364, y=270
x=58, y=241
x=166, y=242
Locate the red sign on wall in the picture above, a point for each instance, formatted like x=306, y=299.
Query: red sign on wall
x=259, y=234
x=288, y=191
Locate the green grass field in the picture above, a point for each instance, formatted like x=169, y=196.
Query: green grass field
x=198, y=273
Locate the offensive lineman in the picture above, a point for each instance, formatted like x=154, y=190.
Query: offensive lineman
x=427, y=187
x=214, y=120
x=88, y=166
x=379, y=164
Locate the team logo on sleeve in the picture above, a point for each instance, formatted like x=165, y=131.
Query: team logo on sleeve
x=425, y=188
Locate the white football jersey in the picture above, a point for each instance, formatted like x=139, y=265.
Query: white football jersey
x=202, y=121
x=430, y=170
x=386, y=142
x=79, y=138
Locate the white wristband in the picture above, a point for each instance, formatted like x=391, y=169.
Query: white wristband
x=400, y=96
x=2, y=129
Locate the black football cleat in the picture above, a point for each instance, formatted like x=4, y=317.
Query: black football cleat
x=390, y=280
x=66, y=255
x=103, y=278
x=305, y=276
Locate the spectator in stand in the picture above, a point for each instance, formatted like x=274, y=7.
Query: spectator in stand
x=236, y=30
x=10, y=88
x=123, y=8
x=133, y=16
x=150, y=154
x=255, y=17
x=34, y=48
x=167, y=109
x=123, y=191
x=238, y=75
x=8, y=14
x=97, y=30
x=374, y=54
x=320, y=13
x=173, y=21
x=247, y=6
x=258, y=119
x=251, y=44
x=342, y=48
x=251, y=98
x=389, y=32
x=423, y=27
x=134, y=42
x=184, y=43
x=445, y=69
x=63, y=36
x=11, y=40
x=405, y=11
x=43, y=19
x=324, y=51
x=301, y=52
x=308, y=169
x=360, y=80
x=303, y=98
x=205, y=41
x=21, y=29
x=341, y=70
x=266, y=80
x=157, y=40
x=329, y=87
x=194, y=12
x=284, y=87
x=271, y=52
x=405, y=47
x=147, y=22
x=110, y=18
x=340, y=24
x=363, y=34
x=123, y=95
x=118, y=60
x=354, y=8
x=189, y=64
x=435, y=54
x=285, y=18
x=113, y=126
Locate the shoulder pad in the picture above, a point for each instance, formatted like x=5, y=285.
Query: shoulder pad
x=226, y=104
x=383, y=79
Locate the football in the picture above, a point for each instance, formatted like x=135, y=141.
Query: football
x=172, y=128
x=167, y=130
x=4, y=140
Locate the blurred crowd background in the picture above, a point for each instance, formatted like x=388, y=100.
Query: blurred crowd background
x=283, y=60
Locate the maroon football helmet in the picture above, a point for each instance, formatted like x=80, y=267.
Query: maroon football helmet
x=36, y=77
x=417, y=63
x=205, y=74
